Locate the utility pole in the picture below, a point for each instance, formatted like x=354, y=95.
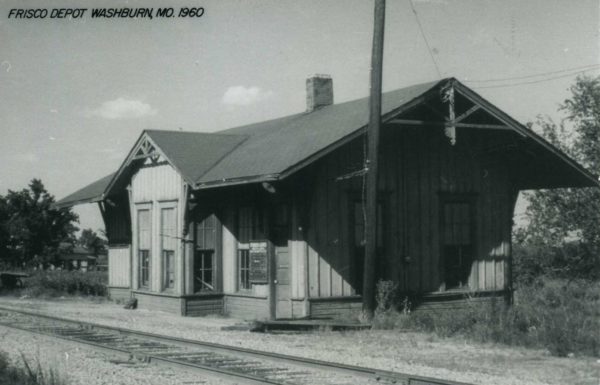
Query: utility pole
x=372, y=161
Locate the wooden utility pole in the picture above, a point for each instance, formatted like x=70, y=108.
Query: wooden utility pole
x=372, y=155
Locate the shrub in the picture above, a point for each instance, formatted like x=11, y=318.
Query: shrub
x=385, y=295
x=391, y=302
x=563, y=316
x=28, y=374
x=572, y=260
x=55, y=283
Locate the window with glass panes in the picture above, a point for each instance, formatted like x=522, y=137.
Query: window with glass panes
x=168, y=236
x=144, y=244
x=457, y=242
x=204, y=255
x=249, y=227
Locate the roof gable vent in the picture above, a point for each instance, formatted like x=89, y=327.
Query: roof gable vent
x=319, y=92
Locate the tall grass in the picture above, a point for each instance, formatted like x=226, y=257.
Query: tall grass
x=56, y=283
x=29, y=374
x=559, y=315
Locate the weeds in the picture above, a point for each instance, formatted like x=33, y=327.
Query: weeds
x=561, y=316
x=29, y=374
x=57, y=283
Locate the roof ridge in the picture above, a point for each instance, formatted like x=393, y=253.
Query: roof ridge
x=216, y=133
x=212, y=166
x=433, y=83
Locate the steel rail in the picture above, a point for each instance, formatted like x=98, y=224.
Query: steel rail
x=150, y=358
x=365, y=372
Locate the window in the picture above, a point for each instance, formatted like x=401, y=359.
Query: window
x=204, y=263
x=203, y=271
x=168, y=269
x=168, y=236
x=250, y=227
x=457, y=242
x=244, y=268
x=206, y=231
x=144, y=244
x=144, y=268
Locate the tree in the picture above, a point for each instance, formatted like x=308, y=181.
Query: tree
x=31, y=228
x=560, y=218
x=91, y=241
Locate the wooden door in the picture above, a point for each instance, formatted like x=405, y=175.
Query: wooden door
x=283, y=303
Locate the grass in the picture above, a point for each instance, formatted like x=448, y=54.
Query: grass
x=56, y=283
x=29, y=374
x=558, y=315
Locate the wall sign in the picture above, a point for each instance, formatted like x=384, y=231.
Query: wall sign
x=258, y=262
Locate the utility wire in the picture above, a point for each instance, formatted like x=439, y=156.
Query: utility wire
x=535, y=81
x=587, y=68
x=425, y=38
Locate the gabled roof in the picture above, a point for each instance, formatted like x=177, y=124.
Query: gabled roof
x=276, y=148
x=193, y=154
x=93, y=192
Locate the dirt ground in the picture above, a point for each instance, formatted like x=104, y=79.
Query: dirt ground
x=416, y=353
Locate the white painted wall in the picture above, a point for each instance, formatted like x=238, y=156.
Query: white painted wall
x=157, y=187
x=118, y=266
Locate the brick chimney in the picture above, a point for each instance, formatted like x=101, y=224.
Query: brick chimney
x=319, y=92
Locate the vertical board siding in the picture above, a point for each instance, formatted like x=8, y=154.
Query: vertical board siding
x=229, y=253
x=155, y=187
x=333, y=229
x=119, y=293
x=313, y=268
x=417, y=165
x=298, y=250
x=156, y=183
x=116, y=221
x=118, y=266
x=298, y=257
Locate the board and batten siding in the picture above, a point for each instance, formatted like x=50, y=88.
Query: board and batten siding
x=229, y=252
x=119, y=258
x=418, y=167
x=154, y=188
x=116, y=220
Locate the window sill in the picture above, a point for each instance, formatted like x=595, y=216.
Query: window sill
x=172, y=294
x=143, y=291
x=337, y=298
x=246, y=295
x=203, y=295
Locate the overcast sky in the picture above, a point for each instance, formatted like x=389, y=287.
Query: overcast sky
x=75, y=94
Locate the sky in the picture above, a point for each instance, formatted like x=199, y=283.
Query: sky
x=75, y=93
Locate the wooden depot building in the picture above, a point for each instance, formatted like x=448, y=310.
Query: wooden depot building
x=266, y=220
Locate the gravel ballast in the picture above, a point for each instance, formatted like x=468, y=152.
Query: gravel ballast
x=77, y=364
x=414, y=353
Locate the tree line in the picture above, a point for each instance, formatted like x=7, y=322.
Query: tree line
x=562, y=236
x=34, y=232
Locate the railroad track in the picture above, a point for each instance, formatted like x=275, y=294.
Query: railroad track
x=252, y=366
